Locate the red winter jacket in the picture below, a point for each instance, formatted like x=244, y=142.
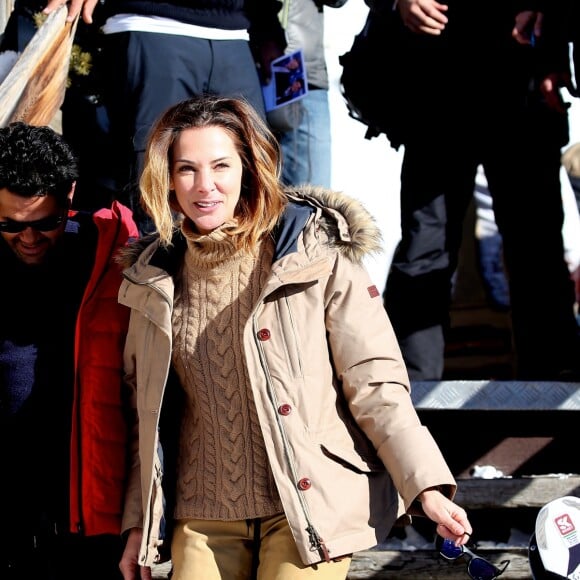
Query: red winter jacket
x=99, y=429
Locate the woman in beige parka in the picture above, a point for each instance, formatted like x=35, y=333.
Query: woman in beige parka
x=274, y=431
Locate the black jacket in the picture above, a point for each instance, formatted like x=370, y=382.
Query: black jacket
x=260, y=17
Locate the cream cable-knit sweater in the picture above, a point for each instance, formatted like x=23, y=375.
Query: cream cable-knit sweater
x=223, y=471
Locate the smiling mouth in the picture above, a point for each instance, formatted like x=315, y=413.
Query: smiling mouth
x=32, y=247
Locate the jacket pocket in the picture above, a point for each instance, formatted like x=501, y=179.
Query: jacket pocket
x=345, y=453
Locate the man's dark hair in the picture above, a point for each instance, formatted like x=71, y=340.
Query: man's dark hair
x=36, y=161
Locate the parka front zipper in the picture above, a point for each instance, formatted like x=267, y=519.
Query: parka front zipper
x=316, y=542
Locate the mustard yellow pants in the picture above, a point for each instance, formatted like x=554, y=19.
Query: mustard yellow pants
x=261, y=549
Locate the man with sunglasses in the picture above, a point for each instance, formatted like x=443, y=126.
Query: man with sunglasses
x=62, y=423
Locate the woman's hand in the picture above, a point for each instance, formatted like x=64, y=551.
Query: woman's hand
x=129, y=565
x=452, y=522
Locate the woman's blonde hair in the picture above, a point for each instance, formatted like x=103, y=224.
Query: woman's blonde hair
x=262, y=199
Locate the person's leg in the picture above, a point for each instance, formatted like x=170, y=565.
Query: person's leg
x=55, y=554
x=279, y=558
x=20, y=27
x=234, y=73
x=147, y=73
x=257, y=549
x=528, y=208
x=99, y=557
x=19, y=556
x=212, y=550
x=306, y=150
x=437, y=184
x=489, y=246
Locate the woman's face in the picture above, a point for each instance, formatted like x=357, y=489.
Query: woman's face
x=206, y=176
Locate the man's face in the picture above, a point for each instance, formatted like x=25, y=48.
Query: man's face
x=34, y=241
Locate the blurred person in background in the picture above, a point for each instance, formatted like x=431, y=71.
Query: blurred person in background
x=492, y=113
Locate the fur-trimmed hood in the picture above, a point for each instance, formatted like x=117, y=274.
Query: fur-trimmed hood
x=348, y=225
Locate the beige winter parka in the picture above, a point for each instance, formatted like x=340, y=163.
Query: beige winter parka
x=345, y=445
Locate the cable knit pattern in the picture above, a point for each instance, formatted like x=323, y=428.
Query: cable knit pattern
x=223, y=473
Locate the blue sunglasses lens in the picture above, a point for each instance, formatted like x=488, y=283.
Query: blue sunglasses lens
x=450, y=550
x=480, y=569
x=477, y=567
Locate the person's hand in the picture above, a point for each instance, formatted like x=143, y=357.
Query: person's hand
x=527, y=26
x=423, y=16
x=452, y=522
x=550, y=88
x=83, y=7
x=264, y=55
x=129, y=561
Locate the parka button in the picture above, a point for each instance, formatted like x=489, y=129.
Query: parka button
x=264, y=334
x=285, y=409
x=304, y=484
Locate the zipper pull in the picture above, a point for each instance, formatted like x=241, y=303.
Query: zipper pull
x=318, y=544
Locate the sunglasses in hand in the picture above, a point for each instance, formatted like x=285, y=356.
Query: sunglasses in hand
x=478, y=568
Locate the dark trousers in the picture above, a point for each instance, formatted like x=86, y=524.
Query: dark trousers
x=147, y=73
x=60, y=557
x=520, y=154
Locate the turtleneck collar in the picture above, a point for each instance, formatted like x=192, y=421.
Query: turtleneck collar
x=212, y=249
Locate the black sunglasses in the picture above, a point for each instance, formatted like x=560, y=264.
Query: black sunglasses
x=46, y=224
x=478, y=568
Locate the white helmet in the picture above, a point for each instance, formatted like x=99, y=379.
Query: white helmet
x=554, y=549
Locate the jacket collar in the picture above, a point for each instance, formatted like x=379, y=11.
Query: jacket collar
x=348, y=226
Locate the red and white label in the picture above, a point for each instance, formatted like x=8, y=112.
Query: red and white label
x=564, y=524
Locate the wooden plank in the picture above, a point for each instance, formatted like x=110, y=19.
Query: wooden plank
x=513, y=493
x=416, y=564
x=428, y=565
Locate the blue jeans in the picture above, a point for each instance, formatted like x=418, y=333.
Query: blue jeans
x=306, y=149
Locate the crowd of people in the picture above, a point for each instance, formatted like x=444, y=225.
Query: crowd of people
x=182, y=369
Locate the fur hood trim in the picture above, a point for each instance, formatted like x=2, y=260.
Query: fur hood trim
x=351, y=228
x=130, y=253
